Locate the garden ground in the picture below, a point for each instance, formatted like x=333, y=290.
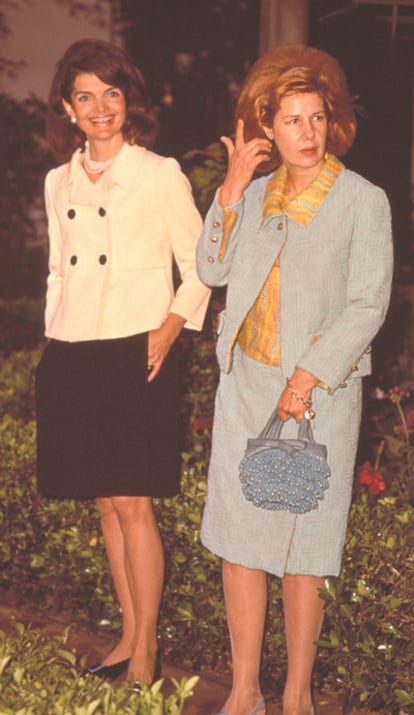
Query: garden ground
x=210, y=692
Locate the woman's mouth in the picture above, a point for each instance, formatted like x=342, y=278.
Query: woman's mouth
x=101, y=121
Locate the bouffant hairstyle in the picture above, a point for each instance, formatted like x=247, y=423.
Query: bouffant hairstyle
x=113, y=66
x=286, y=70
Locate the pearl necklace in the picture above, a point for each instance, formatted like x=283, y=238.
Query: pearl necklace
x=95, y=167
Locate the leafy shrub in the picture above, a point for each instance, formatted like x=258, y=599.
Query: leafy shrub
x=21, y=323
x=27, y=687
x=25, y=160
x=368, y=649
x=53, y=552
x=206, y=169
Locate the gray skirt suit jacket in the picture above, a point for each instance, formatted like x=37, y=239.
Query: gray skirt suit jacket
x=335, y=278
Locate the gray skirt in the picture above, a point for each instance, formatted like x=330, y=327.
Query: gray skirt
x=277, y=541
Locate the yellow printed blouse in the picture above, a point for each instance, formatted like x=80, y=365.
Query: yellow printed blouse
x=259, y=335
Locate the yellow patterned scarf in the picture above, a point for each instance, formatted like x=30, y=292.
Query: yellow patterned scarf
x=303, y=207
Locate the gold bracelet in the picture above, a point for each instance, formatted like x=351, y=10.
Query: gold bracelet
x=307, y=403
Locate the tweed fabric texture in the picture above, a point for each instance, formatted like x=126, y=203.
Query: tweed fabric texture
x=278, y=542
x=335, y=281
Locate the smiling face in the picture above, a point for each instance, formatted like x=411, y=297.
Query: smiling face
x=299, y=130
x=100, y=112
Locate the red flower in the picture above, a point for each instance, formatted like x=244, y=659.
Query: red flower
x=373, y=478
x=202, y=423
x=396, y=393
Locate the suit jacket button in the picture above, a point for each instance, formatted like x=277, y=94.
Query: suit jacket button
x=210, y=259
x=214, y=239
x=73, y=260
x=71, y=213
x=216, y=224
x=102, y=259
x=280, y=226
x=102, y=212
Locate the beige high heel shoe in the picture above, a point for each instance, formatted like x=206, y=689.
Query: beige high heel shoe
x=255, y=710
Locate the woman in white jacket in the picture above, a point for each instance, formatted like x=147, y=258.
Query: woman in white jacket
x=106, y=386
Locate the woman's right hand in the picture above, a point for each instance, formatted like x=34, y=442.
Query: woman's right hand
x=244, y=158
x=288, y=405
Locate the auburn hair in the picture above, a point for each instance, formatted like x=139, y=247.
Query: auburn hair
x=113, y=66
x=286, y=70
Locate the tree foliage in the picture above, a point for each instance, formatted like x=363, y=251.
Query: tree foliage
x=26, y=159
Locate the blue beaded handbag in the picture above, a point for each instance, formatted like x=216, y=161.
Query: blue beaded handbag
x=284, y=474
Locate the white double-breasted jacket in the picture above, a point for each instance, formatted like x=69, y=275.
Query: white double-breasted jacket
x=113, y=245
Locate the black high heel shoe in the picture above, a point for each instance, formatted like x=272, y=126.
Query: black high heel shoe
x=108, y=672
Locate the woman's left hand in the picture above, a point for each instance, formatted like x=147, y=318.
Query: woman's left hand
x=288, y=405
x=160, y=341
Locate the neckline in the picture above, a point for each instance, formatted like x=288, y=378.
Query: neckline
x=304, y=206
x=96, y=167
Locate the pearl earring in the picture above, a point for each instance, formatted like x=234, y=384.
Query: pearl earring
x=73, y=119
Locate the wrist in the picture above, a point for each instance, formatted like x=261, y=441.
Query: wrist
x=306, y=401
x=303, y=399
x=229, y=195
x=303, y=380
x=174, y=324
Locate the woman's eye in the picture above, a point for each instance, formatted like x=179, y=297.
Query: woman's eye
x=114, y=93
x=82, y=97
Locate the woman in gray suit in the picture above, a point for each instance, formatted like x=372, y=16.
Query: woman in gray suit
x=306, y=254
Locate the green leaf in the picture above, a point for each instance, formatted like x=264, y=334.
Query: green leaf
x=395, y=446
x=403, y=698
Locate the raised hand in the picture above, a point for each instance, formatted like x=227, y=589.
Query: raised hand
x=244, y=158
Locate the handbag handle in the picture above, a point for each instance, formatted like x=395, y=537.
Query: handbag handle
x=273, y=428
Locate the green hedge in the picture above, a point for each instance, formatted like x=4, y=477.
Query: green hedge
x=52, y=554
x=21, y=323
x=38, y=676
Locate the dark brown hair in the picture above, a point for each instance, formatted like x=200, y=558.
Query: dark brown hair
x=113, y=66
x=287, y=70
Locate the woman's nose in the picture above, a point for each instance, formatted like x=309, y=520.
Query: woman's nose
x=99, y=104
x=308, y=128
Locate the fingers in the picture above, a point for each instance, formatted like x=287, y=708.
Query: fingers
x=229, y=146
x=153, y=371
x=288, y=407
x=286, y=415
x=283, y=415
x=257, y=150
x=158, y=349
x=243, y=160
x=154, y=365
x=256, y=147
x=239, y=132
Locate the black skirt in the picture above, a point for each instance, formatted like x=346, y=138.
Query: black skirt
x=102, y=429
